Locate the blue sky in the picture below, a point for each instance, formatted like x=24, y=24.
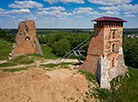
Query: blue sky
x=66, y=13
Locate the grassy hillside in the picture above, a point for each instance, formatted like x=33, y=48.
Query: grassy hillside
x=4, y=49
x=128, y=90
x=124, y=89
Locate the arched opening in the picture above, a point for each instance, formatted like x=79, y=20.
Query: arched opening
x=27, y=38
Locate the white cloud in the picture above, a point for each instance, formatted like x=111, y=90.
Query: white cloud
x=110, y=2
x=110, y=8
x=129, y=16
x=1, y=10
x=48, y=13
x=85, y=11
x=124, y=7
x=82, y=10
x=65, y=1
x=130, y=12
x=111, y=13
x=58, y=14
x=25, y=4
x=127, y=7
x=59, y=8
x=94, y=13
x=17, y=11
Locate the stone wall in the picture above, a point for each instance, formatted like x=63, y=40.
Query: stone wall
x=26, y=40
x=104, y=74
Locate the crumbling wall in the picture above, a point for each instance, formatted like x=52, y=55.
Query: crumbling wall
x=104, y=74
x=95, y=49
x=26, y=40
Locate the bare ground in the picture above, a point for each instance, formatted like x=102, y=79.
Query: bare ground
x=39, y=85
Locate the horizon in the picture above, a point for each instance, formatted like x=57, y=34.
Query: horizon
x=65, y=28
x=66, y=13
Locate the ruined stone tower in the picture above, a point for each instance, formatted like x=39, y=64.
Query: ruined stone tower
x=105, y=54
x=26, y=40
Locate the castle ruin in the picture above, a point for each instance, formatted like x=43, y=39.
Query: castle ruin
x=26, y=40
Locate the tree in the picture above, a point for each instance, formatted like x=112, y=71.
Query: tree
x=61, y=47
x=130, y=47
x=2, y=33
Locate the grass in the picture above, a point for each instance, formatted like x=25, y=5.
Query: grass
x=7, y=64
x=47, y=53
x=18, y=61
x=4, y=49
x=128, y=91
x=124, y=89
x=51, y=65
x=14, y=70
x=89, y=76
x=23, y=60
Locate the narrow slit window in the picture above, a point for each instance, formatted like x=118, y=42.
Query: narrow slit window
x=113, y=34
x=113, y=62
x=113, y=47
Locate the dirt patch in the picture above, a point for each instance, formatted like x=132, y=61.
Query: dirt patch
x=38, y=63
x=38, y=85
x=3, y=61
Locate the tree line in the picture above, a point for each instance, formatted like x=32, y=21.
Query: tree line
x=63, y=42
x=7, y=37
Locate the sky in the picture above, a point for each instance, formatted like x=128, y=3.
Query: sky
x=66, y=13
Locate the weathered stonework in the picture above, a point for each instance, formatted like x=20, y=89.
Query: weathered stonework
x=103, y=67
x=26, y=40
x=104, y=74
x=105, y=55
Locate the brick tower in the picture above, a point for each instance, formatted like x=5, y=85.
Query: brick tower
x=105, y=54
